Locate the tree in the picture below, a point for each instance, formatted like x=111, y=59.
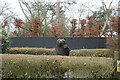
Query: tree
x=6, y=13
x=107, y=12
x=46, y=12
x=6, y=16
x=43, y=11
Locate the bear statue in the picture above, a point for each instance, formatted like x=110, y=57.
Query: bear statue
x=61, y=47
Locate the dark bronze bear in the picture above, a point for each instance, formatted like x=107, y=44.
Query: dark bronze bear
x=61, y=47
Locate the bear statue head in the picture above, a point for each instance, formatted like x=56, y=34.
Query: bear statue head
x=61, y=42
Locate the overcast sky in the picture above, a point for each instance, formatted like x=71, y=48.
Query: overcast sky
x=92, y=4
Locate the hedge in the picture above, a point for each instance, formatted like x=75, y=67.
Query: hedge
x=45, y=51
x=33, y=51
x=92, y=52
x=47, y=66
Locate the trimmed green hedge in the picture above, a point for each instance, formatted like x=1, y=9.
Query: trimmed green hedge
x=33, y=51
x=45, y=51
x=47, y=66
x=92, y=52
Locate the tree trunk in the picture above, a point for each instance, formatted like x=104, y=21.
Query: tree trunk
x=105, y=24
x=58, y=11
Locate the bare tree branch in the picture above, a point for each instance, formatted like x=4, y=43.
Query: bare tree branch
x=23, y=11
x=28, y=7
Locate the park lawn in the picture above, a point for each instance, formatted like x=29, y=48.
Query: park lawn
x=54, y=66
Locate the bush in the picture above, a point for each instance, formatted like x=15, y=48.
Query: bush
x=45, y=51
x=42, y=66
x=92, y=52
x=33, y=51
x=5, y=41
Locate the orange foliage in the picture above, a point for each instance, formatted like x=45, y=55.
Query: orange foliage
x=94, y=28
x=56, y=30
x=82, y=22
x=99, y=24
x=74, y=23
x=18, y=22
x=114, y=23
x=5, y=23
x=35, y=24
x=90, y=21
x=89, y=27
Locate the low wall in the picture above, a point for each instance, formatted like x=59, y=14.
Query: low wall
x=50, y=42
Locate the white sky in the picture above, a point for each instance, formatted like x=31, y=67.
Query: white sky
x=93, y=4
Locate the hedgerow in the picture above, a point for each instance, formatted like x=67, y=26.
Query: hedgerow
x=92, y=52
x=45, y=51
x=47, y=66
x=33, y=51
